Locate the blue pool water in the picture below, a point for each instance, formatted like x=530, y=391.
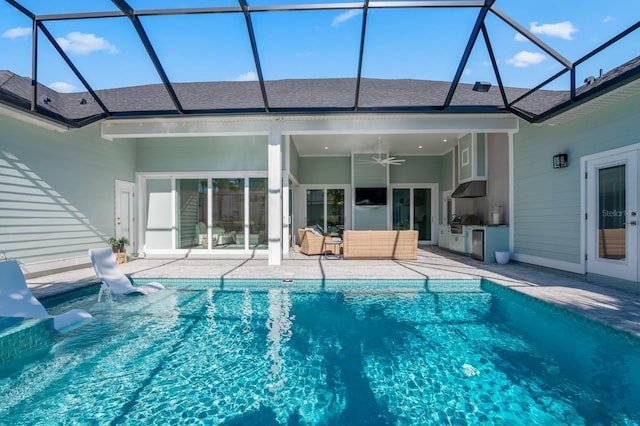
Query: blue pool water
x=328, y=353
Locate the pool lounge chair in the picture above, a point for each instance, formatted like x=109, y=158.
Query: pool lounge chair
x=114, y=281
x=17, y=301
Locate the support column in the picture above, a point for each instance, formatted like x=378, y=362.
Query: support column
x=286, y=200
x=274, y=157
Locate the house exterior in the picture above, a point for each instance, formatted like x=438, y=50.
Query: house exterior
x=206, y=169
x=66, y=191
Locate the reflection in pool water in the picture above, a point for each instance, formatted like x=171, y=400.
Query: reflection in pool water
x=349, y=354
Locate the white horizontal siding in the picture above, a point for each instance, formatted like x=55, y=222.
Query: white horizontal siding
x=57, y=192
x=247, y=153
x=547, y=201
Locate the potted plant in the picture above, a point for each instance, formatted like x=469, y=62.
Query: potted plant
x=113, y=242
x=124, y=242
x=118, y=244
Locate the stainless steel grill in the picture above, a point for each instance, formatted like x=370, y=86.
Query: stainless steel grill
x=459, y=221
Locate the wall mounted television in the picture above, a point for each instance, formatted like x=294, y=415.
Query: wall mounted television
x=371, y=196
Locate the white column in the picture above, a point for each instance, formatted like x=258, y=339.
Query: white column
x=274, y=157
x=286, y=218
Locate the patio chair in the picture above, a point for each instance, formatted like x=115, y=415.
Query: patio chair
x=311, y=241
x=17, y=301
x=114, y=281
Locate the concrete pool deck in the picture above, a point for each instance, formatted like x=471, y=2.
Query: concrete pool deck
x=617, y=308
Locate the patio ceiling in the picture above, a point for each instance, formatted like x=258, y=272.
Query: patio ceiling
x=76, y=62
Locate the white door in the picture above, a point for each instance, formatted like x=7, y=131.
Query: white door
x=124, y=213
x=612, y=216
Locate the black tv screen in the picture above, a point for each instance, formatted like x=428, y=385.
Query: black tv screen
x=371, y=196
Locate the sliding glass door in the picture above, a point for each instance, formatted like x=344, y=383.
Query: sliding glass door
x=414, y=208
x=325, y=209
x=206, y=213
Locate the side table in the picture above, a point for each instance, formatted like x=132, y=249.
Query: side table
x=332, y=248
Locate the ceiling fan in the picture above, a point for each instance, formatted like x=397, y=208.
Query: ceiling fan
x=384, y=162
x=389, y=161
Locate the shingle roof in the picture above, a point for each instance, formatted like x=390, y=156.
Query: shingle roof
x=296, y=96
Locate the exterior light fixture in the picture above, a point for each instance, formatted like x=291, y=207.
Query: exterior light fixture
x=481, y=86
x=560, y=160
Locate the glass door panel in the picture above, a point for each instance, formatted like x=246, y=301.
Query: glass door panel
x=191, y=213
x=315, y=207
x=612, y=212
x=401, y=218
x=422, y=213
x=227, y=213
x=258, y=209
x=335, y=212
x=158, y=214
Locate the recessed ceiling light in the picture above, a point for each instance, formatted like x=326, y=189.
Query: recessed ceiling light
x=326, y=147
x=444, y=140
x=420, y=146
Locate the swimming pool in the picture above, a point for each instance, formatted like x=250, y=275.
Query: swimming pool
x=325, y=353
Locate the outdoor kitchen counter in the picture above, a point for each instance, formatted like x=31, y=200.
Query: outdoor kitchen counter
x=496, y=238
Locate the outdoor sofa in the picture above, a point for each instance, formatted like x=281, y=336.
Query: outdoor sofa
x=380, y=244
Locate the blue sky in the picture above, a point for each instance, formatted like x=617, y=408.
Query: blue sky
x=424, y=43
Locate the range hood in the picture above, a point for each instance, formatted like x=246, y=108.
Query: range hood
x=472, y=189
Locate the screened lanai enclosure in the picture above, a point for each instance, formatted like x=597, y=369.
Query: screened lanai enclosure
x=75, y=62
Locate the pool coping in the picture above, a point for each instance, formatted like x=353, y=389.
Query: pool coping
x=612, y=306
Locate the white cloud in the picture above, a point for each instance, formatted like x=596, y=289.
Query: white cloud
x=562, y=30
x=467, y=71
x=248, y=76
x=520, y=37
x=344, y=17
x=523, y=59
x=83, y=43
x=17, y=32
x=608, y=19
x=62, y=87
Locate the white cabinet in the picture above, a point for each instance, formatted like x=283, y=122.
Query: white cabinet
x=495, y=238
x=458, y=242
x=444, y=237
x=472, y=157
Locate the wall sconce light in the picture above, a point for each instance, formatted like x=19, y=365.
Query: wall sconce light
x=481, y=86
x=560, y=160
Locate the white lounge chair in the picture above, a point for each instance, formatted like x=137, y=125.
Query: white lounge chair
x=114, y=281
x=16, y=300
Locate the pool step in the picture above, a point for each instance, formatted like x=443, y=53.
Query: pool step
x=20, y=337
